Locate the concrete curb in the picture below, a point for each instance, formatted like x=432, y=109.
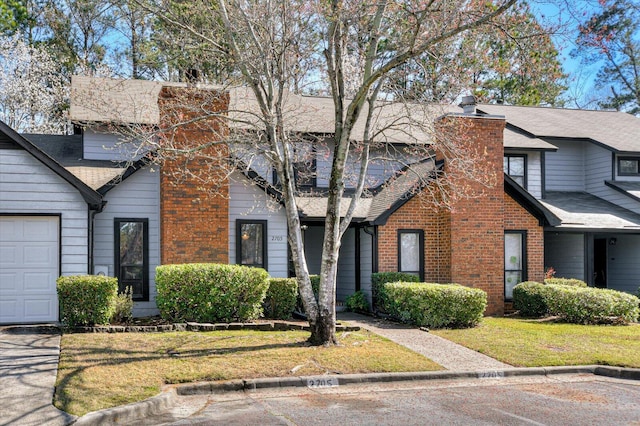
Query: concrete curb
x=129, y=413
x=167, y=399
x=346, y=379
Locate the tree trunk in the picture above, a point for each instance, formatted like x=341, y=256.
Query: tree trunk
x=323, y=329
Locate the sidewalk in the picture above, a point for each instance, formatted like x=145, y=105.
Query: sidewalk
x=28, y=367
x=450, y=355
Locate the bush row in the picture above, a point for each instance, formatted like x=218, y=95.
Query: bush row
x=378, y=293
x=86, y=299
x=435, y=305
x=575, y=303
x=210, y=292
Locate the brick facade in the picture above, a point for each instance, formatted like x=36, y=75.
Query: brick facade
x=516, y=218
x=465, y=244
x=194, y=222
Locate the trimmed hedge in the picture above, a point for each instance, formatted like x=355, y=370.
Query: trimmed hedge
x=210, y=292
x=573, y=282
x=378, y=279
x=281, y=298
x=592, y=305
x=530, y=298
x=86, y=300
x=435, y=305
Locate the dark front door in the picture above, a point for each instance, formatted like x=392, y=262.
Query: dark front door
x=600, y=262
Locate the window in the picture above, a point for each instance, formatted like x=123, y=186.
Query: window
x=411, y=252
x=515, y=166
x=628, y=166
x=514, y=261
x=251, y=243
x=304, y=174
x=131, y=238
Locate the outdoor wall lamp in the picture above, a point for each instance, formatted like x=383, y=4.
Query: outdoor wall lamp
x=613, y=241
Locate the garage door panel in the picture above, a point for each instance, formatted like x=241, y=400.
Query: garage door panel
x=7, y=256
x=30, y=261
x=8, y=283
x=41, y=309
x=8, y=310
x=39, y=255
x=39, y=282
x=39, y=229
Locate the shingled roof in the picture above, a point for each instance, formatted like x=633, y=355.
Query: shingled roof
x=616, y=130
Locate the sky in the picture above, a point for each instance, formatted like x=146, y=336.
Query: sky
x=566, y=15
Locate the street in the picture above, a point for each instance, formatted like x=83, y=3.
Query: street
x=532, y=400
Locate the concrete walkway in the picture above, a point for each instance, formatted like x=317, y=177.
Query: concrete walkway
x=450, y=355
x=28, y=368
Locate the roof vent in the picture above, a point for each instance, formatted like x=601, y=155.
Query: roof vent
x=468, y=104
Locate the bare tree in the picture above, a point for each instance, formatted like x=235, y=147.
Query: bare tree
x=348, y=50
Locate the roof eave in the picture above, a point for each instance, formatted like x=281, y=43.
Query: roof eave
x=528, y=202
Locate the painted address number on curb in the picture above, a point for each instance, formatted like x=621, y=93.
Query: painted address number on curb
x=323, y=382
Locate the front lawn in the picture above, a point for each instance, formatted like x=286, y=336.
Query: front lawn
x=535, y=343
x=98, y=371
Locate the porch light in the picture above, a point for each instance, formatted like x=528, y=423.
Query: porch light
x=613, y=241
x=245, y=236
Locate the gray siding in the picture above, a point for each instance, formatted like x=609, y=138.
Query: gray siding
x=346, y=280
x=534, y=172
x=565, y=168
x=624, y=263
x=598, y=169
x=29, y=187
x=104, y=146
x=247, y=201
x=565, y=253
x=366, y=263
x=136, y=197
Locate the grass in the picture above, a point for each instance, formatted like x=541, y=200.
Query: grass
x=98, y=371
x=535, y=343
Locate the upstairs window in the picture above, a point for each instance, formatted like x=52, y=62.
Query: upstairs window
x=629, y=166
x=304, y=173
x=516, y=166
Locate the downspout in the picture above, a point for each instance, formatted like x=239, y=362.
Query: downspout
x=93, y=210
x=357, y=254
x=374, y=247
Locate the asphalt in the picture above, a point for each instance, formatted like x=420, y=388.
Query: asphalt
x=29, y=362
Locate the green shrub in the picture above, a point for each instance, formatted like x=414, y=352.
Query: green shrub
x=210, y=292
x=123, y=312
x=86, y=300
x=592, y=305
x=436, y=305
x=530, y=298
x=358, y=302
x=573, y=282
x=281, y=298
x=378, y=279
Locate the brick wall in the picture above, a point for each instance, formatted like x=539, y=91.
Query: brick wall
x=516, y=218
x=464, y=245
x=194, y=205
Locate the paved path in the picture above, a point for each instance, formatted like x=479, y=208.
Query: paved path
x=28, y=367
x=450, y=355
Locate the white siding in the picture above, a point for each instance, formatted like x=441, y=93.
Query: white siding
x=565, y=168
x=136, y=197
x=105, y=146
x=247, y=201
x=623, y=260
x=29, y=187
x=565, y=253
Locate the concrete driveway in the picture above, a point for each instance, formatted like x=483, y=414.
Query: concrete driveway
x=28, y=368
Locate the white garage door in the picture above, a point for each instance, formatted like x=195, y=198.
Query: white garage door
x=29, y=266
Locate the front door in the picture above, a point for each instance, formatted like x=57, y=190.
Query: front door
x=600, y=262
